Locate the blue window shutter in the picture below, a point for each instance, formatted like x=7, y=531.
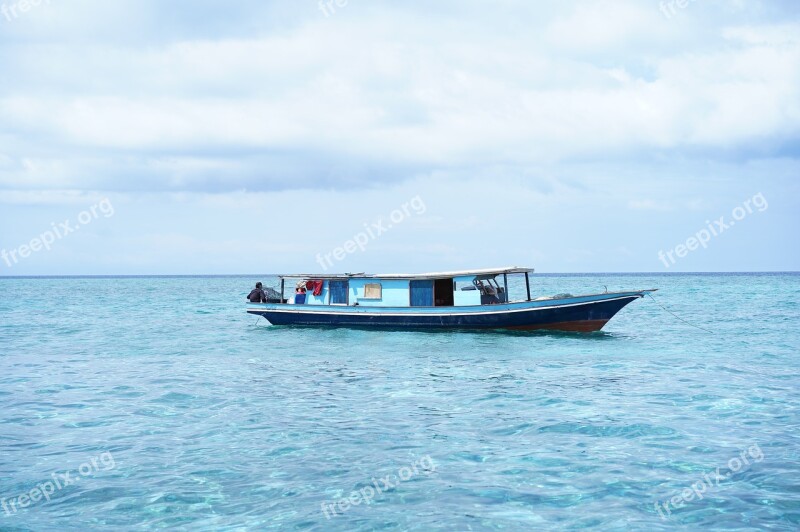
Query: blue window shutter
x=338, y=292
x=421, y=293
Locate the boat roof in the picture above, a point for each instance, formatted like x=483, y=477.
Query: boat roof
x=430, y=275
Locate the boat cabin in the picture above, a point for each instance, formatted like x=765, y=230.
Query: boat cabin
x=444, y=289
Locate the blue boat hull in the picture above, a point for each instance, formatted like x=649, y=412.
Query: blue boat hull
x=581, y=313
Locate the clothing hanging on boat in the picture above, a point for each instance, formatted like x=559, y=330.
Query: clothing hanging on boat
x=317, y=286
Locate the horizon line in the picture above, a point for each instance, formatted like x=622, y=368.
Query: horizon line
x=189, y=275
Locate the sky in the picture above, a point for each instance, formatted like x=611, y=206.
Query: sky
x=209, y=137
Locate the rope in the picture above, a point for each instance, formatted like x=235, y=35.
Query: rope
x=678, y=317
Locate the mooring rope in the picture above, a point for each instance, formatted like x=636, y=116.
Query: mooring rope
x=678, y=317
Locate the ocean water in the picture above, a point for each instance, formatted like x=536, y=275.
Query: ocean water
x=167, y=406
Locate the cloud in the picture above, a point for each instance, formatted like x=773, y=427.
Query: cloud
x=382, y=93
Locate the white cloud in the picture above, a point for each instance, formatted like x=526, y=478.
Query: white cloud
x=538, y=129
x=359, y=89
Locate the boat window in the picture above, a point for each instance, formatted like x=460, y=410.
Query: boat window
x=338, y=290
x=517, y=289
x=443, y=292
x=373, y=291
x=421, y=293
x=491, y=292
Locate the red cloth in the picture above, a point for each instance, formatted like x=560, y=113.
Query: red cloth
x=318, y=287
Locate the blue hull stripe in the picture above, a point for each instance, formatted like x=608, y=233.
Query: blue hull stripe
x=579, y=313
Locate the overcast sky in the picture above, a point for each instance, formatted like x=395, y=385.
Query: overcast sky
x=249, y=136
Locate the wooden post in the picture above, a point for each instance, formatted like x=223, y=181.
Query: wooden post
x=528, y=285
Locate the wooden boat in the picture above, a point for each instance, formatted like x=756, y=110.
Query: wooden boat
x=473, y=299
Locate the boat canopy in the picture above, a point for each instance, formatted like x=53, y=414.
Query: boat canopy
x=433, y=275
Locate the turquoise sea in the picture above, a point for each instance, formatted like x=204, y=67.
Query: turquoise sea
x=169, y=407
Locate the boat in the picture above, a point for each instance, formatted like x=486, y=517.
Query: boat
x=473, y=299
